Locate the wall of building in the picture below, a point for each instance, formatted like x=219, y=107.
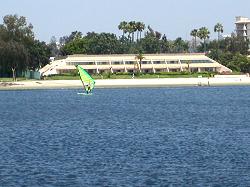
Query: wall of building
x=151, y=63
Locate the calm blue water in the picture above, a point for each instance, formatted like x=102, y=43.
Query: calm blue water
x=196, y=136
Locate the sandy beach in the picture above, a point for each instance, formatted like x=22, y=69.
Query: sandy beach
x=125, y=83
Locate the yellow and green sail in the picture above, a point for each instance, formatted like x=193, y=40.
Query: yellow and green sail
x=87, y=81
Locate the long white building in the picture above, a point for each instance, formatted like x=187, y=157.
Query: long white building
x=151, y=63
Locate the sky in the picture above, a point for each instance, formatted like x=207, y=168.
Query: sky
x=175, y=18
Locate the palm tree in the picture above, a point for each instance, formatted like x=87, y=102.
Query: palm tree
x=140, y=27
x=129, y=29
x=203, y=34
x=194, y=33
x=122, y=26
x=138, y=24
x=219, y=29
x=139, y=57
x=133, y=28
x=136, y=67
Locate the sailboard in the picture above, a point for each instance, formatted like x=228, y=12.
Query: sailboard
x=87, y=81
x=83, y=93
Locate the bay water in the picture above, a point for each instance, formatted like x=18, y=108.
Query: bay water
x=187, y=136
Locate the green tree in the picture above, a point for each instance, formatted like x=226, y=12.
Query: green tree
x=150, y=44
x=38, y=54
x=239, y=63
x=19, y=49
x=165, y=45
x=16, y=28
x=137, y=25
x=219, y=29
x=15, y=35
x=15, y=57
x=180, y=45
x=131, y=29
x=203, y=34
x=139, y=57
x=194, y=34
x=150, y=32
x=134, y=29
x=122, y=26
x=140, y=27
x=54, y=48
x=103, y=43
x=77, y=46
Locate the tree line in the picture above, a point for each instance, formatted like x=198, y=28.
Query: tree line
x=20, y=51
x=108, y=43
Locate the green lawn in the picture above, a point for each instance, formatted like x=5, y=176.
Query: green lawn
x=129, y=76
x=123, y=76
x=62, y=77
x=7, y=79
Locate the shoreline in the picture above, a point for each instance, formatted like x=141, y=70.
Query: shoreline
x=125, y=83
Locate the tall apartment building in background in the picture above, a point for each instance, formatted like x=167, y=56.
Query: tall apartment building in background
x=243, y=26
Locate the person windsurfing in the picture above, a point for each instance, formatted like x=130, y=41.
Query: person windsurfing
x=88, y=88
x=87, y=81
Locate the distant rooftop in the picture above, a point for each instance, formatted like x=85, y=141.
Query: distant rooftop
x=129, y=55
x=241, y=19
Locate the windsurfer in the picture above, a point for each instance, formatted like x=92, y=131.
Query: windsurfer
x=87, y=81
x=88, y=88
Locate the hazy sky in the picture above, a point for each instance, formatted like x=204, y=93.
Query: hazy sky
x=171, y=17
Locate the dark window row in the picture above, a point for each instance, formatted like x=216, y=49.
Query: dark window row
x=195, y=61
x=143, y=62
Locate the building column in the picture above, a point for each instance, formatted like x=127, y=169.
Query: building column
x=138, y=65
x=181, y=69
x=110, y=66
x=166, y=65
x=125, y=68
x=97, y=69
x=152, y=66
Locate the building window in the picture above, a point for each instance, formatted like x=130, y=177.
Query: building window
x=195, y=61
x=194, y=69
x=102, y=63
x=209, y=69
x=159, y=62
x=172, y=62
x=145, y=62
x=80, y=63
x=117, y=63
x=91, y=71
x=147, y=70
x=174, y=69
x=129, y=62
x=159, y=70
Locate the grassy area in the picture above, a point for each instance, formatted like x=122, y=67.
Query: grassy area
x=7, y=79
x=124, y=76
x=62, y=77
x=129, y=76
